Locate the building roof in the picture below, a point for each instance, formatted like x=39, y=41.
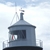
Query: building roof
x=21, y=23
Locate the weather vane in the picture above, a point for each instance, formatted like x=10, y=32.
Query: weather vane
x=22, y=10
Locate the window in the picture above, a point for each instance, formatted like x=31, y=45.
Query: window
x=21, y=34
x=17, y=35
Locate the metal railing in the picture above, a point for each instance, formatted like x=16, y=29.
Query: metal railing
x=39, y=43
x=5, y=44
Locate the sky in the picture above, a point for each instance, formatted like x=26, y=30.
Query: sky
x=37, y=12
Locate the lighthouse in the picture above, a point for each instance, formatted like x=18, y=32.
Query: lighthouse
x=22, y=36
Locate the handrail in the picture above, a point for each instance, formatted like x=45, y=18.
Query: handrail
x=39, y=43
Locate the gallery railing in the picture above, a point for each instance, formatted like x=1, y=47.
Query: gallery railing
x=39, y=43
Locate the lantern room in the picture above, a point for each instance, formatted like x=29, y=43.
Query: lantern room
x=22, y=33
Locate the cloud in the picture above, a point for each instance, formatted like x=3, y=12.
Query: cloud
x=34, y=3
x=45, y=5
x=10, y=4
x=24, y=3
x=30, y=2
x=2, y=0
x=27, y=1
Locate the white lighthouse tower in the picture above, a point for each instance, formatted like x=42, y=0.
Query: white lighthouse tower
x=22, y=36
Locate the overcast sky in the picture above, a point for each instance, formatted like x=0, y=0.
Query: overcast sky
x=37, y=12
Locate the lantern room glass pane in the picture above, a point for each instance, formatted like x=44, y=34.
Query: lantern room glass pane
x=17, y=35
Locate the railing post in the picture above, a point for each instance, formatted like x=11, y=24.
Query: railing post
x=3, y=44
x=39, y=43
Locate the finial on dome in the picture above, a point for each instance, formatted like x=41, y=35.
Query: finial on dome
x=21, y=14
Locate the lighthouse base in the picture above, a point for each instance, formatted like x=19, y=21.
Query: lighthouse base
x=24, y=48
